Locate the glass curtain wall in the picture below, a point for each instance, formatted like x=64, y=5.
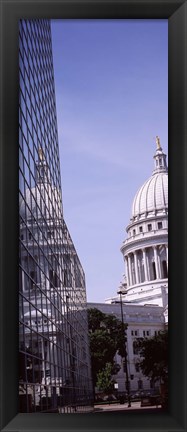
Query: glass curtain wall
x=54, y=360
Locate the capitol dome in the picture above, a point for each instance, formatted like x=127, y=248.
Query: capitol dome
x=145, y=250
x=152, y=197
x=44, y=200
x=41, y=202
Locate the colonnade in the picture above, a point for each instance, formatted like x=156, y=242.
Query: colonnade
x=146, y=264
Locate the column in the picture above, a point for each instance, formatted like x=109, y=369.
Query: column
x=145, y=264
x=148, y=263
x=156, y=261
x=167, y=256
x=52, y=355
x=43, y=359
x=159, y=265
x=61, y=272
x=130, y=271
x=136, y=267
x=127, y=270
x=44, y=281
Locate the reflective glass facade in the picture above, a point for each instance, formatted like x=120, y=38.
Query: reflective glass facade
x=54, y=361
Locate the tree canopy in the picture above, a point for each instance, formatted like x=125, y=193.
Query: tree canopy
x=104, y=379
x=106, y=338
x=154, y=356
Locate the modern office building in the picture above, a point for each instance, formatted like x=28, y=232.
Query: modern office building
x=54, y=359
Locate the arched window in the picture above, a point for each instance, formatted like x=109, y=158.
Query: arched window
x=154, y=270
x=164, y=267
x=53, y=278
x=142, y=273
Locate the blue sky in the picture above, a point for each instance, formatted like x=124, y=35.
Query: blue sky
x=111, y=82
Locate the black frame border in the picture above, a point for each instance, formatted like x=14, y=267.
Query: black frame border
x=176, y=13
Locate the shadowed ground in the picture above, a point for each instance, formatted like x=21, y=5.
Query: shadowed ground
x=117, y=408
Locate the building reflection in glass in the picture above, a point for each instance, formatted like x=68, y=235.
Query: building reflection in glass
x=54, y=361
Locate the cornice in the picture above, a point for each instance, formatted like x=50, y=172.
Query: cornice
x=143, y=243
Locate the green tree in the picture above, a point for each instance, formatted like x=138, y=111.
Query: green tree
x=105, y=382
x=106, y=338
x=154, y=356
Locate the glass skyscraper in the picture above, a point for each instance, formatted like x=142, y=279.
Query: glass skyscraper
x=54, y=360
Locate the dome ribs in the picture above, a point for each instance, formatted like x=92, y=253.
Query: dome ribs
x=152, y=196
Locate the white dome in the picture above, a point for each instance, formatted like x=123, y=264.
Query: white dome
x=152, y=196
x=43, y=202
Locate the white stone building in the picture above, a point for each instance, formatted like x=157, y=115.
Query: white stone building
x=143, y=321
x=53, y=331
x=145, y=250
x=144, y=288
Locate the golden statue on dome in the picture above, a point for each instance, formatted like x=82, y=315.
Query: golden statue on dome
x=41, y=154
x=158, y=143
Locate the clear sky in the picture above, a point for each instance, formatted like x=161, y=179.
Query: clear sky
x=111, y=81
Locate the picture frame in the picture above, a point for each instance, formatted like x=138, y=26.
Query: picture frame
x=176, y=13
